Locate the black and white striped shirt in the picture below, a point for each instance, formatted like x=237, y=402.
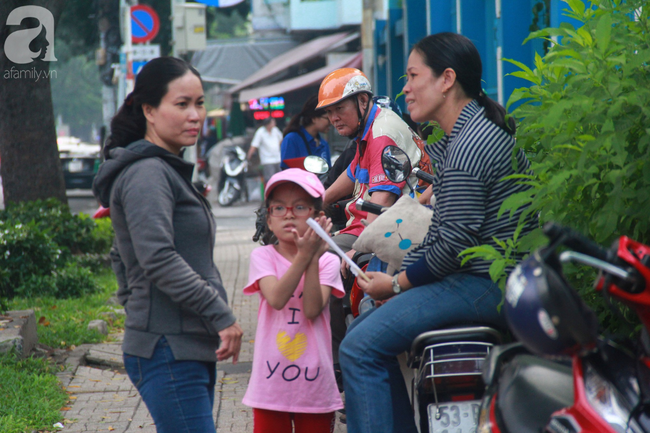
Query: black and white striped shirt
x=470, y=165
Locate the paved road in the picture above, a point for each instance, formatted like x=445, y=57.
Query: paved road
x=241, y=215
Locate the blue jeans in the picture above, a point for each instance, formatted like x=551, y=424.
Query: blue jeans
x=178, y=394
x=376, y=398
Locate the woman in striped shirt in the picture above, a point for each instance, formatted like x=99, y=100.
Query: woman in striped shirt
x=434, y=290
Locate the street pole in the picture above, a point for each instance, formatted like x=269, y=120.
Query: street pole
x=126, y=79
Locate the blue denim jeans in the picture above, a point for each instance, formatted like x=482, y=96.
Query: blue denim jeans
x=376, y=398
x=178, y=394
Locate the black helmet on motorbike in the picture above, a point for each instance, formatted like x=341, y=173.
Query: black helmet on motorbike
x=544, y=312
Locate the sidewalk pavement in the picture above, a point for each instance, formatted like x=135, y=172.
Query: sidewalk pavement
x=102, y=398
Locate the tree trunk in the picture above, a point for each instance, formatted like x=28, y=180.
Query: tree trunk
x=30, y=167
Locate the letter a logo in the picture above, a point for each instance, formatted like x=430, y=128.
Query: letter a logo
x=17, y=43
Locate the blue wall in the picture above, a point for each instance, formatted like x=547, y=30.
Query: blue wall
x=479, y=21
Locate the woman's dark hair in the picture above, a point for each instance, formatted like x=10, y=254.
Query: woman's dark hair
x=305, y=117
x=451, y=50
x=151, y=85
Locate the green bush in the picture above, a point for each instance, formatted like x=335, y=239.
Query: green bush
x=76, y=233
x=584, y=122
x=69, y=281
x=25, y=251
x=45, y=250
x=102, y=236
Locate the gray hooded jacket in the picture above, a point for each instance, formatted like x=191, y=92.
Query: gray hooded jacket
x=164, y=232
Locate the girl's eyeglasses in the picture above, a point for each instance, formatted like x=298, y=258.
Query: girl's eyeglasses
x=298, y=211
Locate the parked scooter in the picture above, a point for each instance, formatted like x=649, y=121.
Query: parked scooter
x=232, y=179
x=605, y=387
x=447, y=385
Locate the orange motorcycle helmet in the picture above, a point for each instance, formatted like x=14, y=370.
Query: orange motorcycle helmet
x=342, y=84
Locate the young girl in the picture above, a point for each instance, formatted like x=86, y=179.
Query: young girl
x=292, y=380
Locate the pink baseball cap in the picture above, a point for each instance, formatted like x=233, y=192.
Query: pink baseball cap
x=304, y=179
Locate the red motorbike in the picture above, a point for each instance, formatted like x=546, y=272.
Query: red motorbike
x=561, y=377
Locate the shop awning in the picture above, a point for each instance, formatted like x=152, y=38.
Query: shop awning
x=308, y=79
x=229, y=61
x=299, y=54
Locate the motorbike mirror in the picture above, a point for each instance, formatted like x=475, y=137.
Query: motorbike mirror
x=396, y=164
x=315, y=164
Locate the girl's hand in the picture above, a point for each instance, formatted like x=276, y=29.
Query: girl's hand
x=310, y=244
x=380, y=286
x=326, y=224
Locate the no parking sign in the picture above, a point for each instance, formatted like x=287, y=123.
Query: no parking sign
x=144, y=23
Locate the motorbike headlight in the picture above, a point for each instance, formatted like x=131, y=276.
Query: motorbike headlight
x=608, y=402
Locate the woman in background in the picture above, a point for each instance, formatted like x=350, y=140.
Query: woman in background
x=302, y=135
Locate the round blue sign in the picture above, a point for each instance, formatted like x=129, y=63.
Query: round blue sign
x=144, y=23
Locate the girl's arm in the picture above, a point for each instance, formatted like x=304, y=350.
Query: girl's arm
x=315, y=295
x=310, y=248
x=278, y=292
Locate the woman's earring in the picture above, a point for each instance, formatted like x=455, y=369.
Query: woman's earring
x=444, y=96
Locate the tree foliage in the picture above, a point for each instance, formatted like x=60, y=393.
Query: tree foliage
x=585, y=122
x=585, y=126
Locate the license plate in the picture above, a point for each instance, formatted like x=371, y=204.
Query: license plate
x=75, y=166
x=458, y=417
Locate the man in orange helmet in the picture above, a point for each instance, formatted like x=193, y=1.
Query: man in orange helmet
x=346, y=96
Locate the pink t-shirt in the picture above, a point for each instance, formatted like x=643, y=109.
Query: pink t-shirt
x=292, y=363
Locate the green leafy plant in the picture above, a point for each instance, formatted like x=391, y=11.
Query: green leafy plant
x=25, y=251
x=584, y=126
x=45, y=250
x=74, y=233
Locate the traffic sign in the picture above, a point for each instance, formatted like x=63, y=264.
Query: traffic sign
x=145, y=52
x=144, y=23
x=137, y=66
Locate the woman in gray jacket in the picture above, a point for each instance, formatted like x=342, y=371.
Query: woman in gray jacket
x=178, y=323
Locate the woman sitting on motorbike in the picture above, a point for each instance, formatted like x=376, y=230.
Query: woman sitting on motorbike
x=302, y=135
x=433, y=290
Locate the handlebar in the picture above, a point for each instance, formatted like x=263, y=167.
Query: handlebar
x=258, y=234
x=577, y=242
x=260, y=223
x=423, y=175
x=627, y=277
x=366, y=206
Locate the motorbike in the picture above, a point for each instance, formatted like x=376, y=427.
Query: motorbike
x=312, y=163
x=562, y=376
x=232, y=178
x=445, y=365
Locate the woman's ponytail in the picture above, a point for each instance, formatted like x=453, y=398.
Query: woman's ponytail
x=305, y=117
x=496, y=113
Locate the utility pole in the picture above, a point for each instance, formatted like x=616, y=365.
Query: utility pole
x=126, y=80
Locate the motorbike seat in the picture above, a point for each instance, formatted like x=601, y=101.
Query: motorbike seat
x=456, y=333
x=530, y=390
